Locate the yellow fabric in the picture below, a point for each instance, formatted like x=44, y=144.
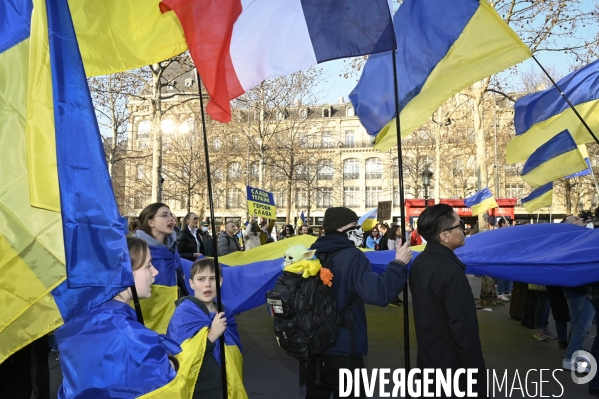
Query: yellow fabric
x=159, y=308
x=461, y=67
x=308, y=267
x=484, y=206
x=31, y=244
x=583, y=151
x=41, y=140
x=556, y=168
x=270, y=251
x=234, y=365
x=539, y=202
x=190, y=361
x=522, y=146
x=369, y=224
x=117, y=35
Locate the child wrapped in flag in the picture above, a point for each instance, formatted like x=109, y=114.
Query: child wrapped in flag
x=196, y=318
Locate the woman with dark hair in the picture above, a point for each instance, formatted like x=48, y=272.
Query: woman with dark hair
x=106, y=352
x=393, y=237
x=287, y=232
x=156, y=229
x=444, y=308
x=189, y=240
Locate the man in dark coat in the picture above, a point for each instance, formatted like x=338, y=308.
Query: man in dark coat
x=444, y=308
x=354, y=284
x=189, y=241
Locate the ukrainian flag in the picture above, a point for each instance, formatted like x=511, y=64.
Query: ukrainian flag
x=539, y=115
x=369, y=220
x=481, y=202
x=58, y=216
x=555, y=159
x=443, y=46
x=542, y=196
x=585, y=155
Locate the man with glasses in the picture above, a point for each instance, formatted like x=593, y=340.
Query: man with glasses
x=444, y=308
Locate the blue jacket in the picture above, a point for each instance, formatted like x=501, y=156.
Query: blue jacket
x=352, y=274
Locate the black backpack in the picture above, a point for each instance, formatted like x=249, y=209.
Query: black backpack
x=304, y=313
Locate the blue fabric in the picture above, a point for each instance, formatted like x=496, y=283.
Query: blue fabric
x=560, y=144
x=106, y=353
x=94, y=231
x=340, y=29
x=98, y=264
x=15, y=22
x=189, y=319
x=478, y=197
x=425, y=30
x=538, y=192
x=166, y=262
x=582, y=172
x=580, y=86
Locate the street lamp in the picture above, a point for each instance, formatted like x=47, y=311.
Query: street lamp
x=426, y=182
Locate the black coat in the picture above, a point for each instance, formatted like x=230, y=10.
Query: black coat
x=445, y=313
x=187, y=245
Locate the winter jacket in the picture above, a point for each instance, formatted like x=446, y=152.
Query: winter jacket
x=187, y=244
x=251, y=240
x=227, y=244
x=353, y=275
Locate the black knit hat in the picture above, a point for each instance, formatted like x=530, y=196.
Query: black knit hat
x=338, y=217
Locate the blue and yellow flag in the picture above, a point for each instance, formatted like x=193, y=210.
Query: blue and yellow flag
x=542, y=196
x=443, y=46
x=557, y=158
x=589, y=169
x=481, y=202
x=44, y=208
x=301, y=220
x=368, y=221
x=539, y=116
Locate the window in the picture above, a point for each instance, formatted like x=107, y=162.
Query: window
x=324, y=197
x=513, y=170
x=281, y=115
x=280, y=197
x=304, y=140
x=458, y=167
x=217, y=174
x=216, y=144
x=187, y=126
x=255, y=170
x=325, y=169
x=351, y=197
x=141, y=172
x=327, y=140
x=234, y=170
x=278, y=174
x=301, y=199
x=395, y=168
x=219, y=199
x=373, y=196
x=350, y=138
x=143, y=129
x=374, y=168
x=233, y=198
x=514, y=190
x=184, y=201
x=303, y=113
x=351, y=169
x=326, y=112
x=139, y=201
x=350, y=111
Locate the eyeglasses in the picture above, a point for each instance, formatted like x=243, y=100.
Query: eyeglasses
x=461, y=225
x=165, y=215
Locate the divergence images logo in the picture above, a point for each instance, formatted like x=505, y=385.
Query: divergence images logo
x=582, y=361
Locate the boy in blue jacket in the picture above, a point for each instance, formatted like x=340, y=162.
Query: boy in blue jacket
x=354, y=284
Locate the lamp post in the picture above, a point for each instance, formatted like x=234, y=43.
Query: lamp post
x=426, y=182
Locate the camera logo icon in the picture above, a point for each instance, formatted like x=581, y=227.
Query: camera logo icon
x=583, y=363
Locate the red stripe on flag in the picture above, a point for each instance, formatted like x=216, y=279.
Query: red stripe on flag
x=208, y=26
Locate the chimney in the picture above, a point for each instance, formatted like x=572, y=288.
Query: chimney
x=341, y=100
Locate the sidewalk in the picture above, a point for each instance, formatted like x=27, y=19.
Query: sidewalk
x=269, y=373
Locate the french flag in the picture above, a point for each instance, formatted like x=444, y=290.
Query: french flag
x=237, y=44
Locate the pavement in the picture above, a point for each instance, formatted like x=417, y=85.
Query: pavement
x=508, y=348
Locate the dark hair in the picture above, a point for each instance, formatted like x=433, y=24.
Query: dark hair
x=188, y=216
x=434, y=220
x=255, y=228
x=290, y=228
x=133, y=225
x=148, y=213
x=199, y=266
x=138, y=250
x=502, y=222
x=597, y=213
x=391, y=231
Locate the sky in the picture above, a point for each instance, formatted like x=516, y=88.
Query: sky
x=334, y=85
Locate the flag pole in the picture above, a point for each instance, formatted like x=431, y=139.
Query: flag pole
x=406, y=319
x=567, y=100
x=219, y=305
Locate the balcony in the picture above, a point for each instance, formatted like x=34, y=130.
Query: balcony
x=351, y=176
x=373, y=175
x=325, y=176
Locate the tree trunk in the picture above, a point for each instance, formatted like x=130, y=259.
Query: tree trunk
x=289, y=188
x=157, y=135
x=437, y=192
x=568, y=188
